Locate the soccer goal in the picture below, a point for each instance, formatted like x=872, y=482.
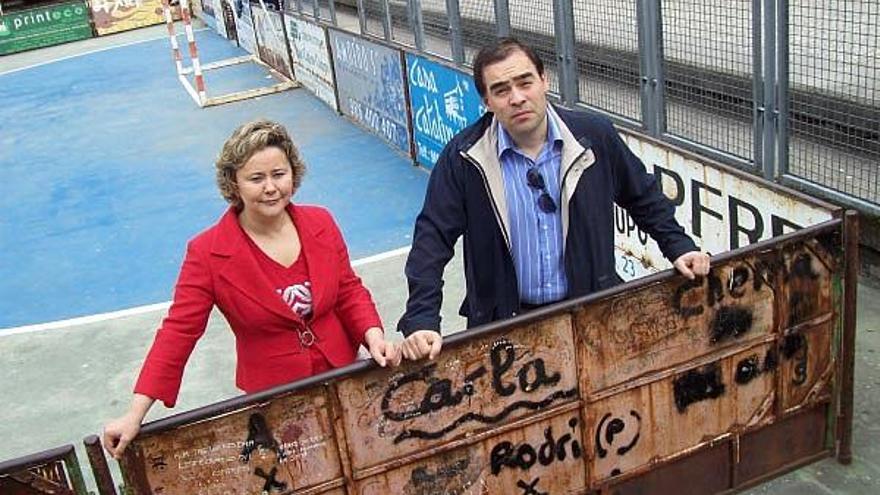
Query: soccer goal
x=192, y=76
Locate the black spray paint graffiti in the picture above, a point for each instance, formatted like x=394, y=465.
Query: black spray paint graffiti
x=750, y=368
x=795, y=347
x=260, y=438
x=730, y=321
x=440, y=393
x=271, y=483
x=523, y=456
x=697, y=385
x=530, y=488
x=609, y=434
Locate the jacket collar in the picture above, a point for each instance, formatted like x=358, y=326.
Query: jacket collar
x=241, y=269
x=480, y=143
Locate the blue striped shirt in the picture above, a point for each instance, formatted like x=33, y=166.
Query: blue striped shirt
x=535, y=236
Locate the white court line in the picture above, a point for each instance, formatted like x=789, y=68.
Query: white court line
x=97, y=50
x=83, y=320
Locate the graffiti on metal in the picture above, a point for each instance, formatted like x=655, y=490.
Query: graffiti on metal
x=443, y=100
x=720, y=209
x=271, y=44
x=311, y=58
x=369, y=80
x=589, y=394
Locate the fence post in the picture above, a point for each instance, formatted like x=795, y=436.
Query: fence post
x=362, y=16
x=652, y=93
x=759, y=77
x=771, y=109
x=502, y=18
x=387, y=26
x=332, y=12
x=453, y=12
x=781, y=86
x=414, y=8
x=563, y=17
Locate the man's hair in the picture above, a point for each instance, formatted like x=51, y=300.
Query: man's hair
x=244, y=142
x=499, y=50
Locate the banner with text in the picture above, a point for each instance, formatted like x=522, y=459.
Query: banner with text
x=44, y=26
x=244, y=26
x=311, y=58
x=271, y=44
x=369, y=79
x=721, y=209
x=444, y=101
x=113, y=16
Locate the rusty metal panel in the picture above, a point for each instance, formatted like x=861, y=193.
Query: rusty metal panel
x=541, y=457
x=390, y=414
x=286, y=444
x=732, y=376
x=46, y=479
x=786, y=443
x=658, y=326
x=706, y=471
x=680, y=412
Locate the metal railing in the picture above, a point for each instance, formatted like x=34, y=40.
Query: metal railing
x=787, y=90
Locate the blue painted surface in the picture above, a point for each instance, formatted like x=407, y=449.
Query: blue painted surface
x=370, y=84
x=444, y=101
x=108, y=170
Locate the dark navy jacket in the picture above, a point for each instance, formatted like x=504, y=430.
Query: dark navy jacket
x=465, y=196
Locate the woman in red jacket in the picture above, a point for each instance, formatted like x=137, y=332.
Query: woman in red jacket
x=278, y=272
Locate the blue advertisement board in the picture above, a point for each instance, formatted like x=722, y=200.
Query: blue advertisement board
x=444, y=101
x=369, y=81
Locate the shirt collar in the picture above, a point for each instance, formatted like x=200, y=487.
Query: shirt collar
x=505, y=141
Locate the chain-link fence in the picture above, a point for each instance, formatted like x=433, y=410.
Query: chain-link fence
x=833, y=113
x=786, y=89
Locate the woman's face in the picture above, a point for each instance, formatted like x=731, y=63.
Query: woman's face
x=265, y=183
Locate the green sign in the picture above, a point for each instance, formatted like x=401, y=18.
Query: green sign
x=44, y=26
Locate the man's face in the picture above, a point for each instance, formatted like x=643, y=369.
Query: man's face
x=516, y=94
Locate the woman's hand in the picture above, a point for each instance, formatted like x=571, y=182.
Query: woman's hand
x=382, y=351
x=122, y=430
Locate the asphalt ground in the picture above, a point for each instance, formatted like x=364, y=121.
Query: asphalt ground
x=62, y=380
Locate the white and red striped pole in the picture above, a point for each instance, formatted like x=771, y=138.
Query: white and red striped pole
x=172, y=35
x=193, y=49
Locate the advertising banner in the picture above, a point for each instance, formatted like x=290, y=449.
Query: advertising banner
x=444, y=101
x=718, y=207
x=311, y=58
x=244, y=26
x=369, y=79
x=113, y=16
x=204, y=10
x=269, y=28
x=44, y=26
x=219, y=16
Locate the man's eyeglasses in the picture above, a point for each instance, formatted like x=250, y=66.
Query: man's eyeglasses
x=536, y=181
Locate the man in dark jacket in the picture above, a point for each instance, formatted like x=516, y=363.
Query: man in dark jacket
x=531, y=187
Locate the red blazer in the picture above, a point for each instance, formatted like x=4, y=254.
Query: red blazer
x=219, y=269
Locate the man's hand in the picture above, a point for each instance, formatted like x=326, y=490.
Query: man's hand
x=382, y=351
x=422, y=343
x=692, y=264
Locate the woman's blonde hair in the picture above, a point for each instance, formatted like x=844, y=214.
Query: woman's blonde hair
x=248, y=139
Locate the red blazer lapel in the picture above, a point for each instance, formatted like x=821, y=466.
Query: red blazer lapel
x=320, y=253
x=241, y=269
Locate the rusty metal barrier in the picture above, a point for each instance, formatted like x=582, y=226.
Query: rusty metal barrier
x=55, y=471
x=660, y=385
